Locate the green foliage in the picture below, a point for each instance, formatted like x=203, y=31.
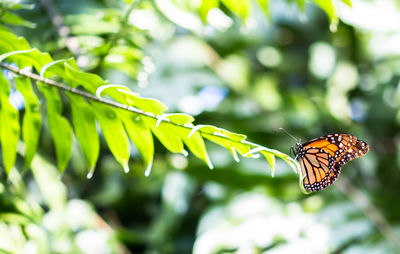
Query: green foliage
x=31, y=122
x=9, y=130
x=270, y=66
x=173, y=130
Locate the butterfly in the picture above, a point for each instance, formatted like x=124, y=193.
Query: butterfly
x=321, y=159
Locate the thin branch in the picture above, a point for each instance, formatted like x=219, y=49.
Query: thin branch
x=91, y=97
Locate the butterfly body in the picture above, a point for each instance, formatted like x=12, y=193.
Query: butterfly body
x=321, y=159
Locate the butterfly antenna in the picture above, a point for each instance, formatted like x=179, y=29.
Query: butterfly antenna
x=290, y=135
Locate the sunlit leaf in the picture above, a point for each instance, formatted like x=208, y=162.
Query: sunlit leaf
x=223, y=138
x=23, y=6
x=90, y=24
x=194, y=142
x=141, y=136
x=271, y=160
x=57, y=68
x=116, y=92
x=114, y=133
x=30, y=57
x=348, y=2
x=166, y=135
x=179, y=118
x=206, y=6
x=196, y=145
x=10, y=42
x=31, y=124
x=329, y=9
x=239, y=7
x=179, y=16
x=48, y=180
x=88, y=80
x=14, y=19
x=264, y=4
x=301, y=4
x=209, y=129
x=59, y=126
x=146, y=104
x=9, y=131
x=84, y=122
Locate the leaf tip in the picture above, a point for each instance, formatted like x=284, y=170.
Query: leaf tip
x=148, y=169
x=235, y=156
x=89, y=175
x=209, y=163
x=126, y=168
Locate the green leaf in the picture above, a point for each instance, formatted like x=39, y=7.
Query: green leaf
x=271, y=160
x=239, y=7
x=141, y=136
x=348, y=2
x=88, y=24
x=10, y=42
x=47, y=178
x=205, y=7
x=166, y=135
x=114, y=133
x=224, y=143
x=9, y=131
x=14, y=19
x=28, y=57
x=272, y=152
x=18, y=6
x=59, y=126
x=301, y=4
x=84, y=122
x=178, y=118
x=196, y=145
x=32, y=119
x=116, y=92
x=132, y=99
x=329, y=9
x=57, y=68
x=265, y=7
x=223, y=138
x=88, y=80
x=194, y=142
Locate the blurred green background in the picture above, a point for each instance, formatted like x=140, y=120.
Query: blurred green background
x=245, y=67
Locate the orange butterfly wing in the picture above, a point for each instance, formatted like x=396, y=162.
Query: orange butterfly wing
x=321, y=159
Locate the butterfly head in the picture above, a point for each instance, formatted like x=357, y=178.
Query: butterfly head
x=298, y=150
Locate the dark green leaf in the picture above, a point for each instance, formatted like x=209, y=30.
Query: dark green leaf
x=166, y=135
x=114, y=133
x=140, y=135
x=9, y=131
x=59, y=126
x=84, y=122
x=32, y=119
x=88, y=80
x=14, y=19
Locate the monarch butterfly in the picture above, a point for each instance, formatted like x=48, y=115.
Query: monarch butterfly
x=321, y=159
